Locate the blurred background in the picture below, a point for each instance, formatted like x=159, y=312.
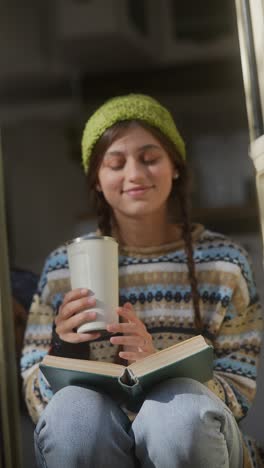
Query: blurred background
x=60, y=59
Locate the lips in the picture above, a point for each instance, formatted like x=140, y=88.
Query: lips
x=137, y=191
x=138, y=188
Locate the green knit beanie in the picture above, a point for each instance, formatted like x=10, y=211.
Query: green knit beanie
x=130, y=107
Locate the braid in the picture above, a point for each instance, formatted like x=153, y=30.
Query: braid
x=187, y=236
x=103, y=215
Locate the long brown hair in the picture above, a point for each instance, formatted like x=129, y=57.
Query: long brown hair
x=179, y=199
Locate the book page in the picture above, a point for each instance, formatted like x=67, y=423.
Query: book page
x=96, y=367
x=169, y=355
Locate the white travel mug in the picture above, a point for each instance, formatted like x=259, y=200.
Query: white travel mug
x=93, y=264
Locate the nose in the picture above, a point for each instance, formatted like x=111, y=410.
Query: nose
x=134, y=170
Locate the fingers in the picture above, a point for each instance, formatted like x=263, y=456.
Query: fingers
x=75, y=306
x=133, y=355
x=73, y=312
x=76, y=294
x=122, y=327
x=72, y=337
x=82, y=337
x=128, y=313
x=133, y=340
x=66, y=326
x=134, y=327
x=130, y=325
x=75, y=301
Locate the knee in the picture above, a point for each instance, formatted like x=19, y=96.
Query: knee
x=184, y=393
x=77, y=428
x=73, y=403
x=183, y=416
x=171, y=388
x=184, y=401
x=183, y=407
x=74, y=412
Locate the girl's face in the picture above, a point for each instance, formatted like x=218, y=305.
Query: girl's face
x=136, y=175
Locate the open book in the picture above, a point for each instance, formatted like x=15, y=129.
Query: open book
x=191, y=358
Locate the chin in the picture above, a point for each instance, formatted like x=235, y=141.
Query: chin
x=140, y=211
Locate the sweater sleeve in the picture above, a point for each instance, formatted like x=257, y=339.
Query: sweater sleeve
x=40, y=336
x=37, y=341
x=237, y=345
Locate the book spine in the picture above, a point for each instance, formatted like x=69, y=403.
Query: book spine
x=132, y=389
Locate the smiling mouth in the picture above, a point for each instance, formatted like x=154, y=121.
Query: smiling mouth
x=137, y=191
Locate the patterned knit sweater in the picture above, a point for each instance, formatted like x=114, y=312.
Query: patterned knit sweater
x=155, y=281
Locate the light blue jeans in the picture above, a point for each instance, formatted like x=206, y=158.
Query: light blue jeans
x=180, y=424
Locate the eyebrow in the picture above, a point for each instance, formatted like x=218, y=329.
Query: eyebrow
x=139, y=150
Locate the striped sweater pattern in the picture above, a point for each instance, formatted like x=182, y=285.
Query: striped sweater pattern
x=155, y=281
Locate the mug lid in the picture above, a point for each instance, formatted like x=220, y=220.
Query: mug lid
x=90, y=237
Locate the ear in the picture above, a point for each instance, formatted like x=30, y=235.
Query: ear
x=175, y=175
x=98, y=187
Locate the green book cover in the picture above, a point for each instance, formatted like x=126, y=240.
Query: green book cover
x=191, y=358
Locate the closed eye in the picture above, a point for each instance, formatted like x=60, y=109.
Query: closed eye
x=116, y=167
x=114, y=162
x=149, y=158
x=149, y=162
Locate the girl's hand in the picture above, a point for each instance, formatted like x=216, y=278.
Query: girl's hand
x=136, y=341
x=73, y=313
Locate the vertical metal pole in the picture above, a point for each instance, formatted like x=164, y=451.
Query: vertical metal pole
x=257, y=20
x=250, y=20
x=250, y=67
x=9, y=406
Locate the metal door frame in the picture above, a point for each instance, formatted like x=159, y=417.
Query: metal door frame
x=9, y=401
